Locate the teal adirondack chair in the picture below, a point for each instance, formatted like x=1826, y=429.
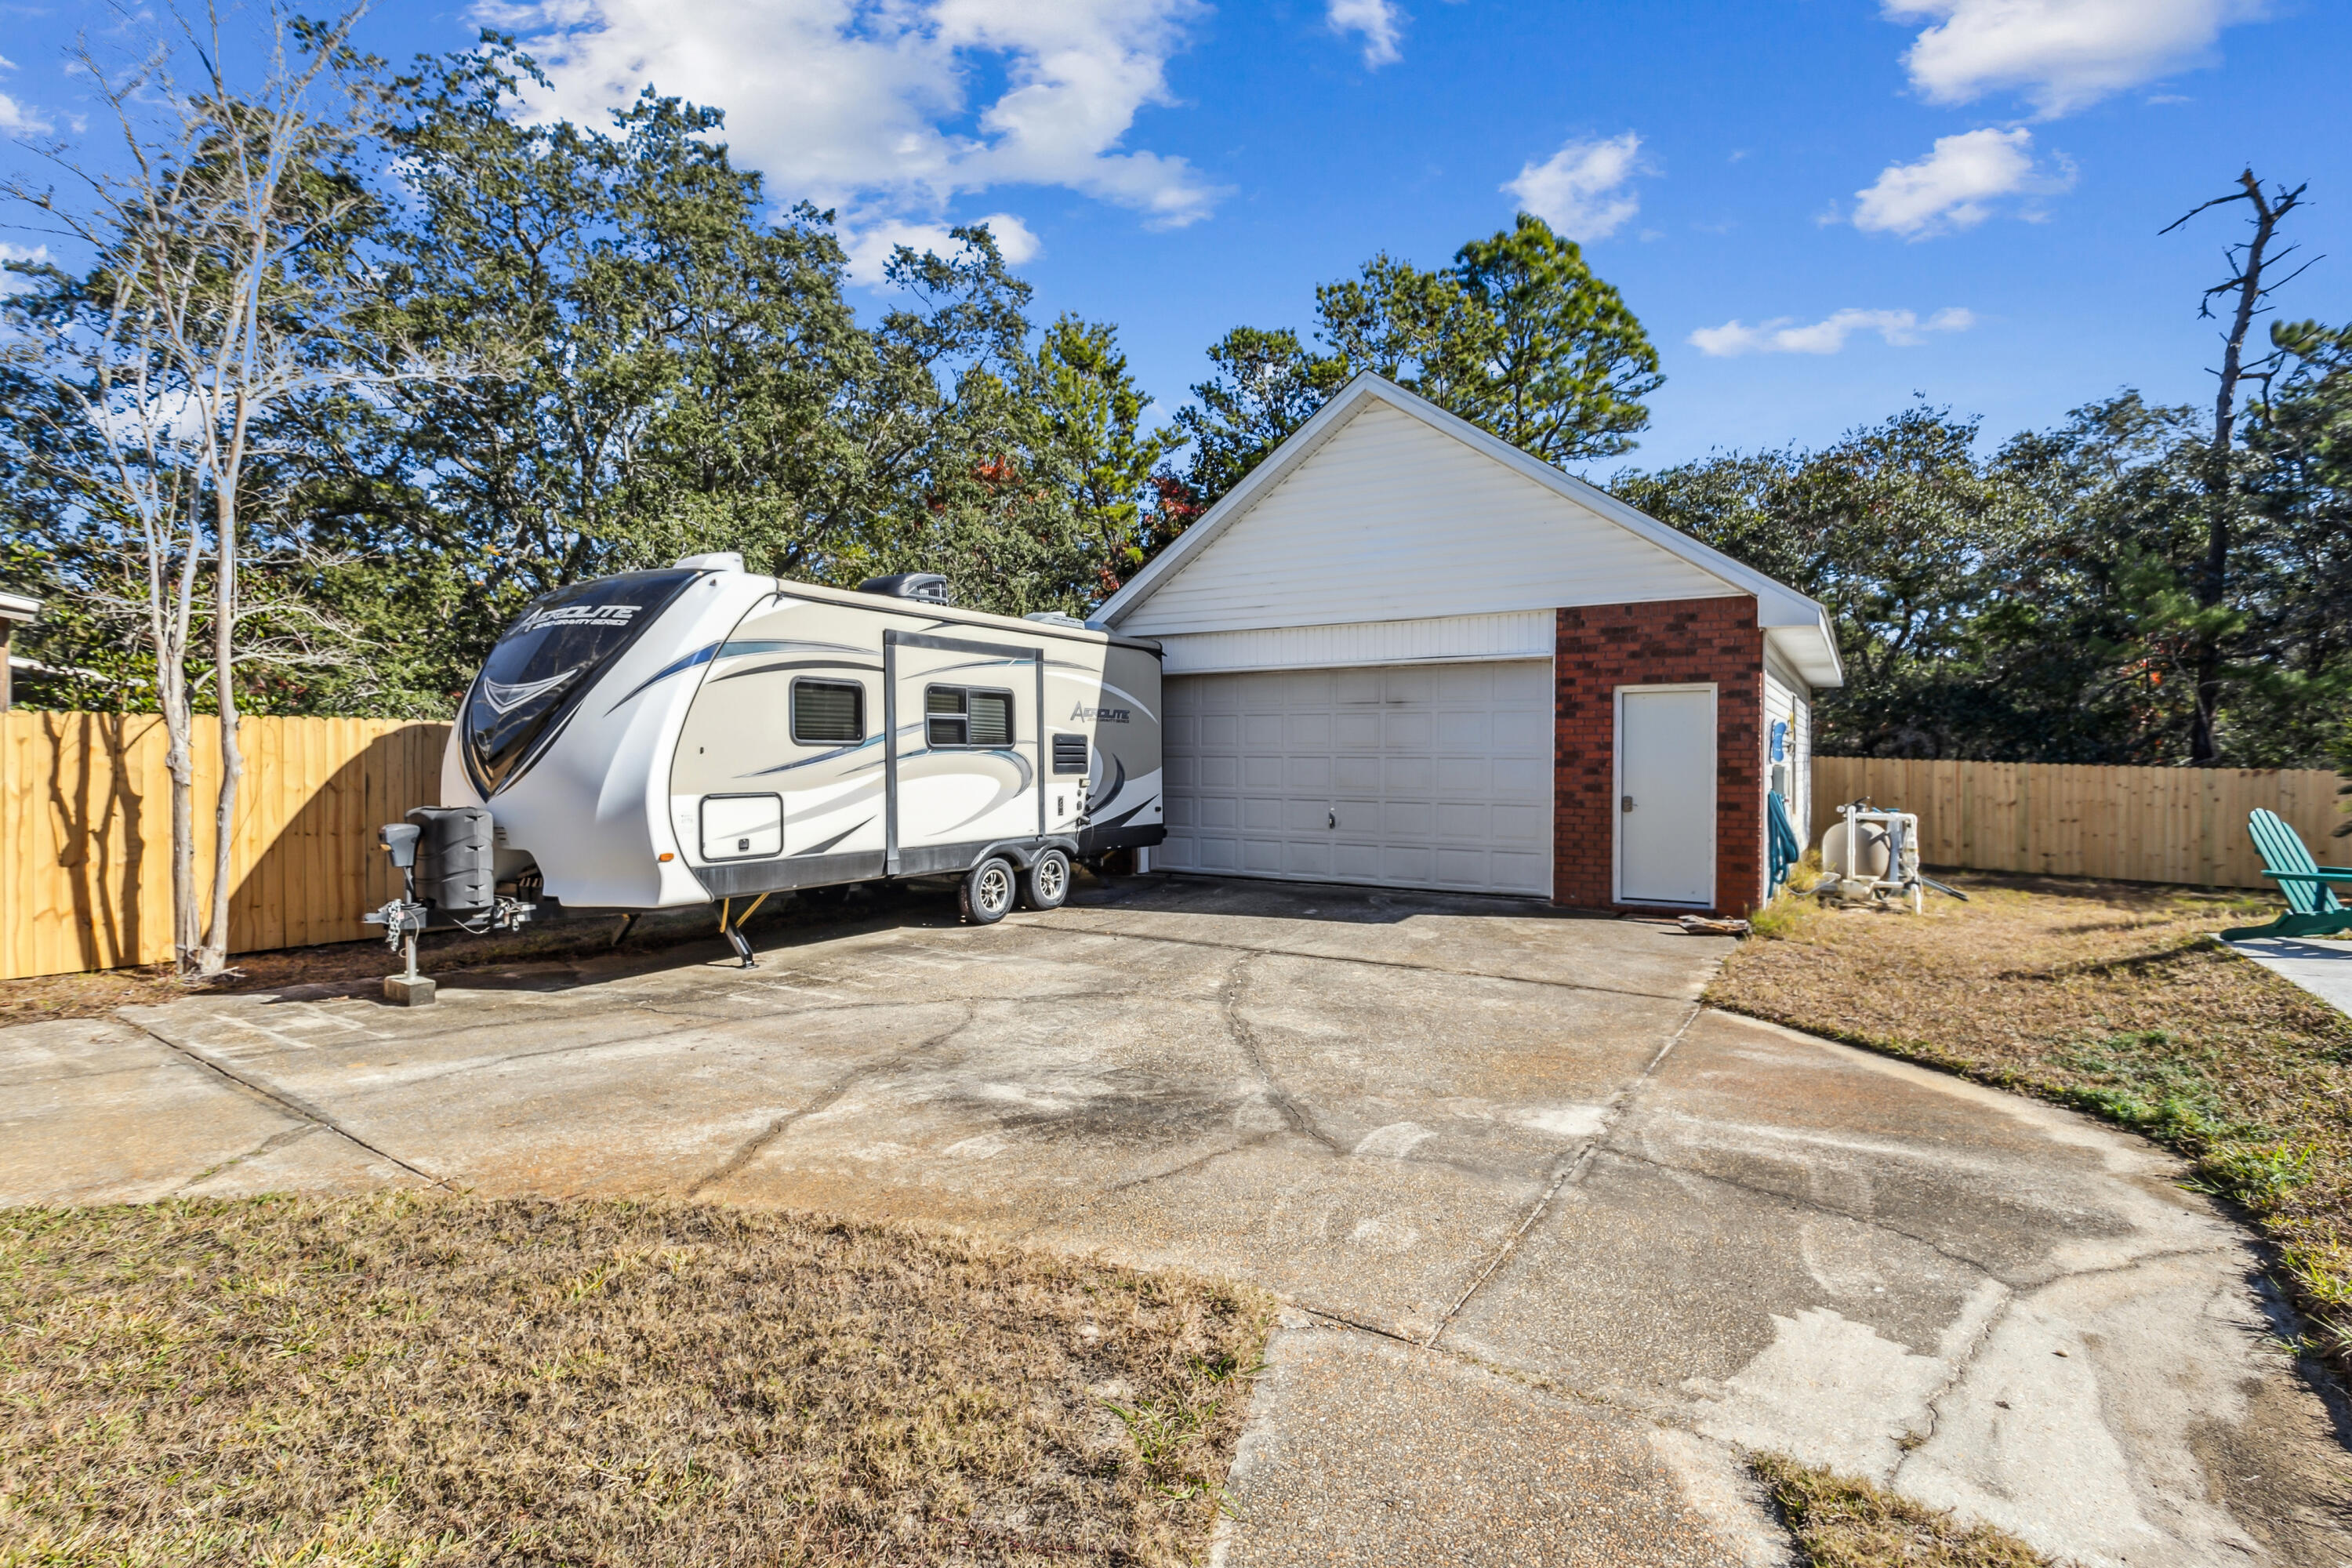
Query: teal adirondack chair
x=2312, y=908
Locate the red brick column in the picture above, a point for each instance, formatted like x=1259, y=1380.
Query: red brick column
x=1670, y=642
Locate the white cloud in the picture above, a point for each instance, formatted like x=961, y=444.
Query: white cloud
x=1580, y=189
x=867, y=106
x=16, y=282
x=2061, y=54
x=870, y=248
x=1783, y=335
x=15, y=116
x=1949, y=189
x=1381, y=23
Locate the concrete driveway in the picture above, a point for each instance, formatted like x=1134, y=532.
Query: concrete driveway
x=1556, y=1242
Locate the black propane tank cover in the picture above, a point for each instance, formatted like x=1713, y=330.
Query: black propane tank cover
x=455, y=865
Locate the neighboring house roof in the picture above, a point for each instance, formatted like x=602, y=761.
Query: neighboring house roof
x=16, y=606
x=1399, y=525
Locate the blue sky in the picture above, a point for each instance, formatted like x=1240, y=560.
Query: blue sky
x=1820, y=209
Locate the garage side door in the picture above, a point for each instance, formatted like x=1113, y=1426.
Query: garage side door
x=1404, y=776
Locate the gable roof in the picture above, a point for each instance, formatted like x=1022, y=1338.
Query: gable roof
x=1577, y=530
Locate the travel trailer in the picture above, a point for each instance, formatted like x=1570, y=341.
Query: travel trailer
x=700, y=735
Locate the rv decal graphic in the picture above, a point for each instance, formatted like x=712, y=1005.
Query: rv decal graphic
x=702, y=655
x=1083, y=714
x=503, y=698
x=578, y=615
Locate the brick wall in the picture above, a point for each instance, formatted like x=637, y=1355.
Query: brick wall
x=1674, y=641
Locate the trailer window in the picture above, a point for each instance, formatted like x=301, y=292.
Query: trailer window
x=828, y=713
x=960, y=716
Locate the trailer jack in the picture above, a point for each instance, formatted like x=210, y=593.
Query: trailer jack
x=733, y=929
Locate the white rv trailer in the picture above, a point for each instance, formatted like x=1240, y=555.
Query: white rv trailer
x=700, y=735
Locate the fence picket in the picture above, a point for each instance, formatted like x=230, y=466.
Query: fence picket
x=2134, y=825
x=86, y=831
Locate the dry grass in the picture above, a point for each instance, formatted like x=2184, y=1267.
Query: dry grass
x=413, y=1381
x=1842, y=1522
x=2111, y=997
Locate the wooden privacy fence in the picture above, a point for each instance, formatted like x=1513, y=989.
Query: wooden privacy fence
x=2135, y=824
x=86, y=832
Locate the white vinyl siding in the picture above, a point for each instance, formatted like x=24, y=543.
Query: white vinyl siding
x=1392, y=520
x=1419, y=776
x=1787, y=700
x=1524, y=634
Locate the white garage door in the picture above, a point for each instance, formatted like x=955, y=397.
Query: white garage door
x=1406, y=776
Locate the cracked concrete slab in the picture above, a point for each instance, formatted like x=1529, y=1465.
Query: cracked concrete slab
x=1572, y=1244
x=1364, y=1450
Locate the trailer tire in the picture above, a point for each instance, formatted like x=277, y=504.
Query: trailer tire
x=986, y=894
x=1046, y=884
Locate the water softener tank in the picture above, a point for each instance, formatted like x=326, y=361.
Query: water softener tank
x=1871, y=856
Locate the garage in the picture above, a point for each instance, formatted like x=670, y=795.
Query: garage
x=1409, y=776
x=1403, y=653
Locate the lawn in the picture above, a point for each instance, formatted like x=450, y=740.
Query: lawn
x=411, y=1379
x=2111, y=997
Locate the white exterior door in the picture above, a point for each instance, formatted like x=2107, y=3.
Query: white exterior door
x=1666, y=794
x=1402, y=775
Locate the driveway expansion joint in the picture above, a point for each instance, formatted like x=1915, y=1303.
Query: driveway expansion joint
x=292, y=1104
x=1373, y=962
x=1571, y=1171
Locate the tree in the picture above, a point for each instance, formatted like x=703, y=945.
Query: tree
x=1266, y=385
x=1517, y=337
x=2245, y=288
x=659, y=368
x=220, y=292
x=1903, y=534
x=1092, y=440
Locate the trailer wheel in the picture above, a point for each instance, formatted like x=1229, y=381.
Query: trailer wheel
x=985, y=895
x=1046, y=884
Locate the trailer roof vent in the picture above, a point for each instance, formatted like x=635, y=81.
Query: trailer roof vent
x=1054, y=618
x=717, y=561
x=927, y=586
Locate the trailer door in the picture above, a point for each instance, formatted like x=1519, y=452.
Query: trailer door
x=965, y=760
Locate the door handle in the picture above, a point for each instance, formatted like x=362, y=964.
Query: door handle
x=1629, y=804
x=1335, y=819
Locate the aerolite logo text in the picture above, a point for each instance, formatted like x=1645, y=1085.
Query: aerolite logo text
x=1082, y=714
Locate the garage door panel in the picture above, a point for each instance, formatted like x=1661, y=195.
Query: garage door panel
x=1408, y=775
x=1408, y=730
x=1420, y=776
x=1409, y=819
x=1460, y=821
x=1521, y=778
x=1464, y=729
x=1516, y=824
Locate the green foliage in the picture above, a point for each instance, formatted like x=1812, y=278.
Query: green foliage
x=639, y=362
x=2038, y=603
x=1517, y=337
